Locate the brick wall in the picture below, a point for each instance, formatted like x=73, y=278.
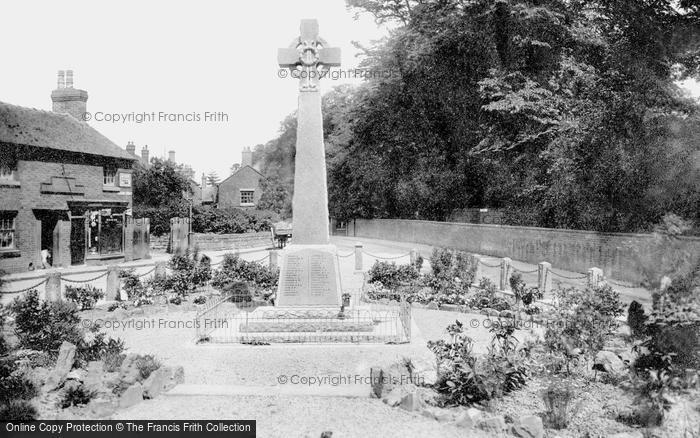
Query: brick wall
x=230, y=188
x=617, y=254
x=43, y=170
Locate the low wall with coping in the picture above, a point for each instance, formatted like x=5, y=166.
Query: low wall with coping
x=620, y=255
x=215, y=242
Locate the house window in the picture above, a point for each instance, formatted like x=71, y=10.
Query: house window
x=7, y=172
x=247, y=197
x=7, y=232
x=110, y=176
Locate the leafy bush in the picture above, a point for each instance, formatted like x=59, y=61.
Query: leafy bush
x=234, y=269
x=449, y=264
x=14, y=391
x=524, y=294
x=207, y=219
x=485, y=296
x=462, y=381
x=376, y=291
x=131, y=283
x=392, y=275
x=18, y=410
x=582, y=319
x=189, y=272
x=45, y=325
x=200, y=300
x=669, y=348
x=75, y=396
x=13, y=385
x=84, y=296
x=636, y=320
x=507, y=369
x=458, y=382
x=98, y=348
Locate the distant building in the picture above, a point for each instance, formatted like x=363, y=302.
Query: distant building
x=242, y=188
x=65, y=189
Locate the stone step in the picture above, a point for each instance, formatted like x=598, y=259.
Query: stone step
x=346, y=389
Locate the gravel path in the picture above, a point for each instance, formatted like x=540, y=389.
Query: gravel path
x=282, y=416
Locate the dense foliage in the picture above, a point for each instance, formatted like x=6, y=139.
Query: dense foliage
x=562, y=114
x=463, y=380
x=44, y=325
x=85, y=296
x=234, y=270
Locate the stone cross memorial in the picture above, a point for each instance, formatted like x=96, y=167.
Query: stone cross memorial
x=309, y=274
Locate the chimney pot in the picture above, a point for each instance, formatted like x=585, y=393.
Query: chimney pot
x=61, y=79
x=171, y=156
x=144, y=155
x=69, y=78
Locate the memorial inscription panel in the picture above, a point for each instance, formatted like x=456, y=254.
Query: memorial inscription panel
x=308, y=278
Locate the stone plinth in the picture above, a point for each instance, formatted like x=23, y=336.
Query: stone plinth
x=309, y=276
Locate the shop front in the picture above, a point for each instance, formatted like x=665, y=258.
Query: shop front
x=98, y=231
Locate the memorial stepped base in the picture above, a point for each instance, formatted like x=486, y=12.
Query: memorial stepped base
x=362, y=324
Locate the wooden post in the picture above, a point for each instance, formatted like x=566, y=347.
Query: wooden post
x=358, y=256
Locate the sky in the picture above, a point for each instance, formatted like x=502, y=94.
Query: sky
x=174, y=57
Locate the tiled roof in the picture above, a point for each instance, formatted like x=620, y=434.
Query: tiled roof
x=46, y=129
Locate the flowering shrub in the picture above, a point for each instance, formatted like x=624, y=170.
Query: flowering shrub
x=464, y=381
x=581, y=322
x=486, y=297
x=84, y=296
x=234, y=270
x=392, y=275
x=376, y=291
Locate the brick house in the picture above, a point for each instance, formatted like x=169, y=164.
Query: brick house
x=242, y=188
x=64, y=187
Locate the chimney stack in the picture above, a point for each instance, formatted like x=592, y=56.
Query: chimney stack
x=61, y=80
x=171, y=156
x=247, y=157
x=144, y=155
x=69, y=100
x=131, y=148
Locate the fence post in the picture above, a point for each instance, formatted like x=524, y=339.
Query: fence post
x=160, y=270
x=358, y=256
x=53, y=287
x=113, y=287
x=414, y=256
x=544, y=277
x=595, y=277
x=505, y=273
x=273, y=259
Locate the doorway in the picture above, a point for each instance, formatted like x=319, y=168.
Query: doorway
x=48, y=221
x=77, y=240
